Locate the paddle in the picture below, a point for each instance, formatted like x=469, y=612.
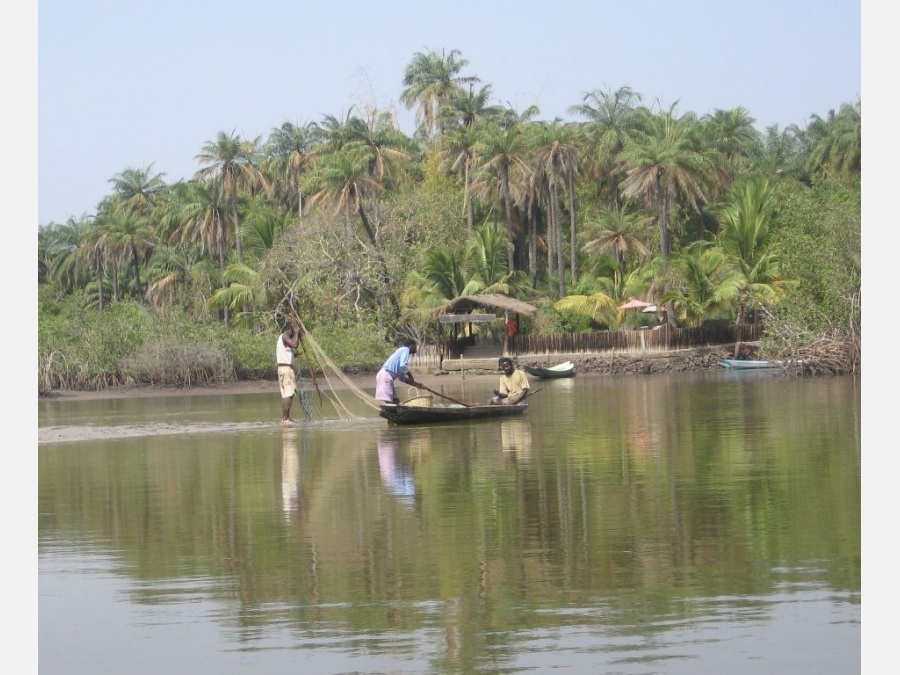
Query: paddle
x=422, y=386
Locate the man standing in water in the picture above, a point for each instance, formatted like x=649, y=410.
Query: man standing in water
x=287, y=377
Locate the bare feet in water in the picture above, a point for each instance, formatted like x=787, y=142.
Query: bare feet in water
x=288, y=423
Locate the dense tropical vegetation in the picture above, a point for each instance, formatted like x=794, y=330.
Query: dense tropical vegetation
x=362, y=229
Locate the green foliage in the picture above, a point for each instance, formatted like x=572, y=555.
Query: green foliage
x=352, y=347
x=547, y=320
x=818, y=230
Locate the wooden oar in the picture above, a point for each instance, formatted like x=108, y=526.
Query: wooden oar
x=419, y=385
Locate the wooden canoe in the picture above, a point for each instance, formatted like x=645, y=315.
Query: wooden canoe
x=409, y=414
x=566, y=369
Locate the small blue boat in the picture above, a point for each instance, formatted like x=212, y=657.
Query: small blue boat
x=745, y=364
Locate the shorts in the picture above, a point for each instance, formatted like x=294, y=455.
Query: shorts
x=287, y=381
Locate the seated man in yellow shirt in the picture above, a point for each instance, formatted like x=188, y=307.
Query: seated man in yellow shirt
x=513, y=385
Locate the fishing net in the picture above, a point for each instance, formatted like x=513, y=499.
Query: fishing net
x=330, y=370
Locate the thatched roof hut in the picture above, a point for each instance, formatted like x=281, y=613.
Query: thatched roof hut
x=465, y=310
x=465, y=305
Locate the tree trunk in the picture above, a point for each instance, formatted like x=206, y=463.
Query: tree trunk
x=385, y=277
x=573, y=233
x=560, y=251
x=135, y=261
x=470, y=207
x=507, y=205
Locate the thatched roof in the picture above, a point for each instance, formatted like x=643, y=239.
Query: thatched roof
x=467, y=303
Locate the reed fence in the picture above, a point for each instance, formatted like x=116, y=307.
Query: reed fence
x=662, y=338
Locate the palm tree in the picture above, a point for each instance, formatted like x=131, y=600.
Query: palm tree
x=610, y=121
x=447, y=274
x=602, y=306
x=701, y=284
x=465, y=107
x=556, y=162
x=230, y=163
x=198, y=213
x=504, y=147
x=664, y=164
x=619, y=233
x=458, y=150
x=130, y=238
x=732, y=135
x=343, y=179
x=289, y=154
x=180, y=274
x=838, y=150
x=430, y=81
x=138, y=189
x=745, y=237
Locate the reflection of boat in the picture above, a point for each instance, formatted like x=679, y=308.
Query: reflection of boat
x=566, y=369
x=410, y=414
x=740, y=364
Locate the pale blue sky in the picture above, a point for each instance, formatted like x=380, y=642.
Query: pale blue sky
x=129, y=84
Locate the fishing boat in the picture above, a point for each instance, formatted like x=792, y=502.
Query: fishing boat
x=745, y=364
x=566, y=369
x=398, y=413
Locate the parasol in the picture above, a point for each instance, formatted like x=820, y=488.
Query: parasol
x=634, y=304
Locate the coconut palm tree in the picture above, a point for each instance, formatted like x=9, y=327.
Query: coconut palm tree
x=663, y=164
x=230, y=164
x=181, y=275
x=138, y=189
x=458, y=148
x=502, y=148
x=602, y=306
x=289, y=153
x=620, y=233
x=838, y=149
x=610, y=121
x=129, y=238
x=343, y=180
x=701, y=284
x=431, y=80
x=745, y=237
x=557, y=149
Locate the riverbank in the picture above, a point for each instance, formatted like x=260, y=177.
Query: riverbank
x=701, y=358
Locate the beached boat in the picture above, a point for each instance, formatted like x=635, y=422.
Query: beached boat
x=566, y=369
x=416, y=414
x=745, y=364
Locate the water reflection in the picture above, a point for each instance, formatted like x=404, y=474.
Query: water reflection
x=515, y=436
x=659, y=525
x=396, y=470
x=290, y=473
